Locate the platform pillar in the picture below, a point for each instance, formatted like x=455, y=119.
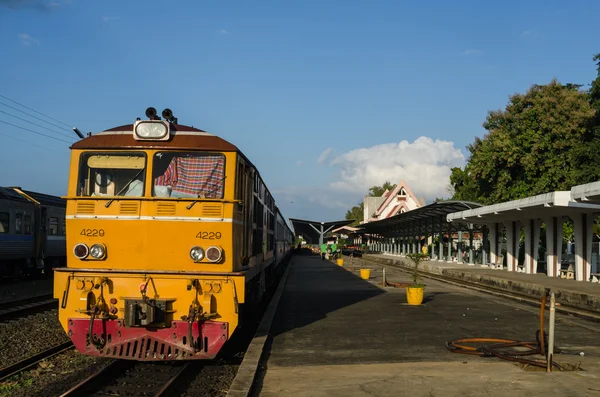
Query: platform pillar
x=493, y=243
x=532, y=243
x=471, y=246
x=584, y=226
x=484, y=246
x=459, y=247
x=449, y=257
x=512, y=234
x=554, y=228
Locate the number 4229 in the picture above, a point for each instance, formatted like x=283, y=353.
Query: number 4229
x=209, y=235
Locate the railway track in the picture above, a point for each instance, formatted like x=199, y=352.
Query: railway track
x=527, y=299
x=132, y=378
x=20, y=307
x=30, y=362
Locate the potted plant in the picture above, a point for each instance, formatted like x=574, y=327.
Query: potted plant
x=414, y=291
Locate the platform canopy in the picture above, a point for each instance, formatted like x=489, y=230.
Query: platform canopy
x=588, y=193
x=420, y=220
x=314, y=231
x=558, y=203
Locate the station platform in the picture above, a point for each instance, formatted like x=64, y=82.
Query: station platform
x=576, y=294
x=335, y=334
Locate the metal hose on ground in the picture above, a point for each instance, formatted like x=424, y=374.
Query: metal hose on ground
x=493, y=347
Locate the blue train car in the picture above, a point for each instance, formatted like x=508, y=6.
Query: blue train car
x=32, y=232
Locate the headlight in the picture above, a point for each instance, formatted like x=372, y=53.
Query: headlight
x=151, y=129
x=97, y=251
x=81, y=251
x=213, y=254
x=197, y=254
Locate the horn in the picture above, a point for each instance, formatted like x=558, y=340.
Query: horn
x=167, y=114
x=151, y=113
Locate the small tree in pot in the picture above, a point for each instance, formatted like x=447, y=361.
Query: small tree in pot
x=414, y=292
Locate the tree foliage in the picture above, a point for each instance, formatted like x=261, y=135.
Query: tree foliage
x=543, y=141
x=357, y=212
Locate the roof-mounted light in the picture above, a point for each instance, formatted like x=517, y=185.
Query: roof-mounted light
x=151, y=130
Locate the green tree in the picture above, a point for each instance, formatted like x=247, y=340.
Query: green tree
x=377, y=191
x=541, y=142
x=357, y=212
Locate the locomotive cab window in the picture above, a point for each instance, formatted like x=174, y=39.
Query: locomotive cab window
x=112, y=174
x=3, y=222
x=188, y=175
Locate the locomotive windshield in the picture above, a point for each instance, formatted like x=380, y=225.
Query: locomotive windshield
x=112, y=174
x=188, y=174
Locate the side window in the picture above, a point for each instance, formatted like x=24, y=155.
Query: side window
x=4, y=222
x=27, y=224
x=19, y=224
x=239, y=186
x=53, y=228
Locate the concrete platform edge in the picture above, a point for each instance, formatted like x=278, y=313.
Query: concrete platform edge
x=244, y=379
x=576, y=300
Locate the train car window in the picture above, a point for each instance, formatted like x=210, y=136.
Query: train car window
x=53, y=226
x=189, y=175
x=19, y=224
x=239, y=182
x=27, y=224
x=112, y=174
x=4, y=222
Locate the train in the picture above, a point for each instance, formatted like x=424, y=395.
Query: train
x=32, y=233
x=172, y=238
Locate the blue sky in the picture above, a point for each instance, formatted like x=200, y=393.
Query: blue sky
x=327, y=98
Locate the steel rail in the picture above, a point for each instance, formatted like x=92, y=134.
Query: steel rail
x=95, y=381
x=29, y=362
x=21, y=306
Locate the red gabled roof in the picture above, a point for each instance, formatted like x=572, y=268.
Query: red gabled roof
x=393, y=193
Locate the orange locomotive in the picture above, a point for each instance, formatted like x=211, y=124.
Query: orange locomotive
x=170, y=232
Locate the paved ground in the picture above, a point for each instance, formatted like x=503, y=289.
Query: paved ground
x=338, y=335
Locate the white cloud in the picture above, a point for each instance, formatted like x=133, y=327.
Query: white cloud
x=39, y=5
x=224, y=31
x=27, y=40
x=424, y=164
x=323, y=157
x=472, y=52
x=530, y=33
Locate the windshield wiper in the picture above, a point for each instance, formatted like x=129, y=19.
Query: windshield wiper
x=124, y=187
x=207, y=193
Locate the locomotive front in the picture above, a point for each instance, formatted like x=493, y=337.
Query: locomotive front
x=151, y=215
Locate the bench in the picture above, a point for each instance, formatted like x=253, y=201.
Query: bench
x=569, y=274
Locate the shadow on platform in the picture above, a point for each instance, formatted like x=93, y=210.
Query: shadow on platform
x=316, y=288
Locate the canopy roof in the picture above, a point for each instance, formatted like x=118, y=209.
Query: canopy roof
x=312, y=231
x=421, y=219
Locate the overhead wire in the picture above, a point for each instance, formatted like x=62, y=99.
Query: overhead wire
x=33, y=110
x=31, y=115
x=35, y=132
x=38, y=125
x=28, y=142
